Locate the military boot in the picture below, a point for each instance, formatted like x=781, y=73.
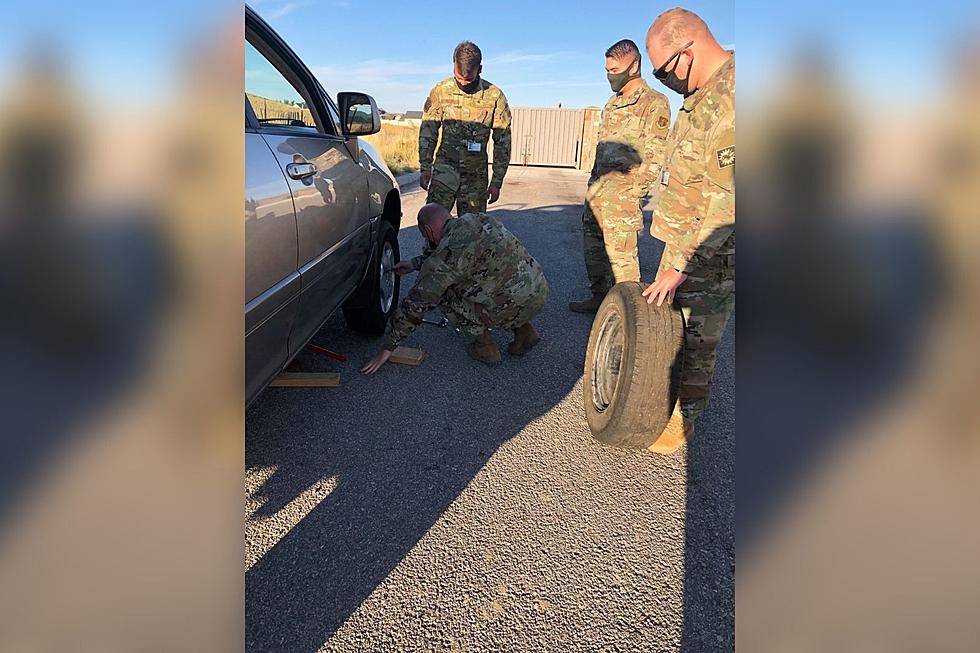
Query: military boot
x=525, y=337
x=484, y=348
x=674, y=435
x=590, y=305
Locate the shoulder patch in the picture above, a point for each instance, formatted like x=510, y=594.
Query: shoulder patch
x=663, y=121
x=726, y=156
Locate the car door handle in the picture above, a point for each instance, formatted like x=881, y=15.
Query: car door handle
x=300, y=170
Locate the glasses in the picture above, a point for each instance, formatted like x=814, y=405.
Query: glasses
x=661, y=72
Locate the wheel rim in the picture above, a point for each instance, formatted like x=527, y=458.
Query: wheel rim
x=387, y=277
x=608, y=361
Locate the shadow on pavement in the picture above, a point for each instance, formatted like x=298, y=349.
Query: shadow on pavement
x=400, y=447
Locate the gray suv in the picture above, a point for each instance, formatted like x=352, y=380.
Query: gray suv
x=322, y=210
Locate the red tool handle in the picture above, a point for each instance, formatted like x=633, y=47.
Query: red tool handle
x=326, y=352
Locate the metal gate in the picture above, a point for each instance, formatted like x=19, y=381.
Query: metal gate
x=546, y=137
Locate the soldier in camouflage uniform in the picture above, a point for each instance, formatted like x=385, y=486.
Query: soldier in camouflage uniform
x=481, y=277
x=628, y=159
x=695, y=212
x=467, y=108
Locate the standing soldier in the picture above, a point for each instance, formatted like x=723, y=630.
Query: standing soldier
x=467, y=108
x=481, y=277
x=628, y=159
x=695, y=213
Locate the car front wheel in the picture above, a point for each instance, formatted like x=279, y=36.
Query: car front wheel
x=369, y=308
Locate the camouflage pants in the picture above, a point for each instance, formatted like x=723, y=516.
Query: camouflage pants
x=707, y=299
x=469, y=197
x=474, y=318
x=610, y=249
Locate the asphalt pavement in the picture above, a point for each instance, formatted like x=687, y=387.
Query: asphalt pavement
x=459, y=507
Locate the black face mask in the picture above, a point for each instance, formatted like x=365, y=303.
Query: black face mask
x=470, y=88
x=670, y=79
x=618, y=80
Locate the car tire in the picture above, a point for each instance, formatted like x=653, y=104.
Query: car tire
x=632, y=368
x=369, y=308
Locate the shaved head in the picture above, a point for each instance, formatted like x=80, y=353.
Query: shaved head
x=682, y=50
x=675, y=27
x=432, y=219
x=432, y=214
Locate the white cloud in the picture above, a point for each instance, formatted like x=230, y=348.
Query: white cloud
x=525, y=57
x=271, y=11
x=555, y=83
x=383, y=69
x=400, y=85
x=396, y=85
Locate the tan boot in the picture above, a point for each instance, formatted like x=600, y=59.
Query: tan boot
x=525, y=337
x=484, y=348
x=590, y=305
x=674, y=435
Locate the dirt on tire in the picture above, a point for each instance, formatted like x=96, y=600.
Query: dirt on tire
x=632, y=368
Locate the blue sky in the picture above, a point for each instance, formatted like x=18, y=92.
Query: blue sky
x=540, y=53
x=115, y=49
x=887, y=53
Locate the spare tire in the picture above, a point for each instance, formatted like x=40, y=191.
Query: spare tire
x=632, y=368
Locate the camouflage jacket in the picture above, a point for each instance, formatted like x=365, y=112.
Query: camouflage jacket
x=695, y=213
x=477, y=261
x=466, y=121
x=632, y=143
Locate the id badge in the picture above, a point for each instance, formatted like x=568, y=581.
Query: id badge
x=664, y=176
x=473, y=147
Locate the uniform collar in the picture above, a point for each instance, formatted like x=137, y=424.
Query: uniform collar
x=449, y=226
x=625, y=100
x=452, y=224
x=723, y=70
x=484, y=85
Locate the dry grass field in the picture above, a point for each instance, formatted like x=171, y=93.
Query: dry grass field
x=266, y=108
x=399, y=145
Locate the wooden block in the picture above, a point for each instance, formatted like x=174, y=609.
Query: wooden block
x=407, y=356
x=306, y=380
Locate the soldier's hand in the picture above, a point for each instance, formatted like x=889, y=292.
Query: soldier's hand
x=425, y=178
x=493, y=194
x=664, y=287
x=377, y=362
x=404, y=267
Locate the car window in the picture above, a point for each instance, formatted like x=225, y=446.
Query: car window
x=334, y=116
x=274, y=99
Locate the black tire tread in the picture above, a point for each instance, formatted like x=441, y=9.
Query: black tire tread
x=362, y=310
x=647, y=388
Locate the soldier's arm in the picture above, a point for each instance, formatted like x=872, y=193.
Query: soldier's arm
x=440, y=271
x=429, y=131
x=501, y=141
x=656, y=126
x=714, y=218
x=417, y=261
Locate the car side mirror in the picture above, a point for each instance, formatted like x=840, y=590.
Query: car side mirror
x=359, y=114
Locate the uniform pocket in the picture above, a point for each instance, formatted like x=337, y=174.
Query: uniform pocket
x=686, y=165
x=476, y=114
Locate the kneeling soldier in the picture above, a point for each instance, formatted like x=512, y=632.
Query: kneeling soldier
x=480, y=275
